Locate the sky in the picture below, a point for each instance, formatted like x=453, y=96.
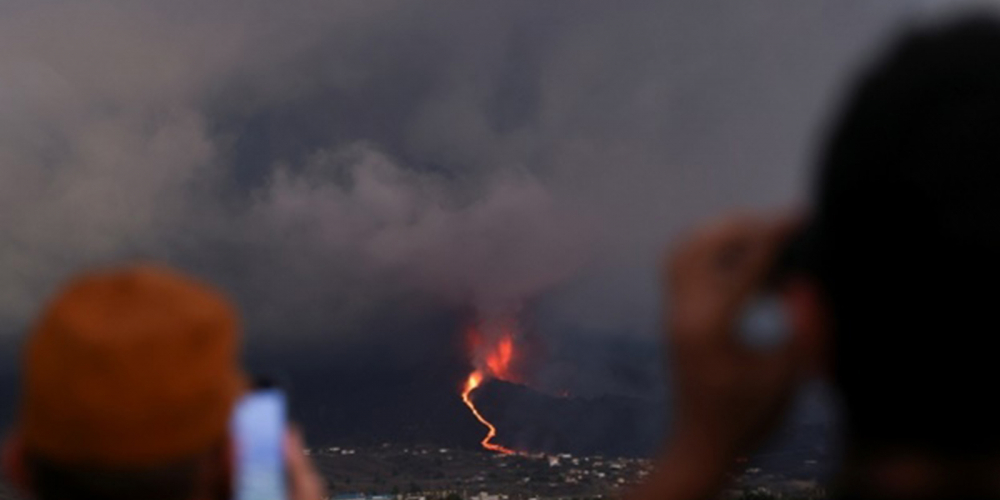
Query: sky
x=366, y=177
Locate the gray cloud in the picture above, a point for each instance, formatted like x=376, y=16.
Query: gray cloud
x=323, y=159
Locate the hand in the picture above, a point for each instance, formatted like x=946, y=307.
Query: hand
x=727, y=396
x=305, y=483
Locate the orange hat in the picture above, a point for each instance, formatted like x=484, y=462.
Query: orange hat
x=134, y=366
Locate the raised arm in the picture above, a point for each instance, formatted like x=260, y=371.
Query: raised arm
x=727, y=396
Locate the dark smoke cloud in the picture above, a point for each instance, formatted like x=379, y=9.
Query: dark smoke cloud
x=334, y=163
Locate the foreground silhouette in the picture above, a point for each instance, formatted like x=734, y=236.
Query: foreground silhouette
x=889, y=290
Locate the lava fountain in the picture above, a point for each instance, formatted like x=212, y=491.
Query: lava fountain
x=497, y=365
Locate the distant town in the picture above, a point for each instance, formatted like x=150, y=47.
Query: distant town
x=396, y=472
x=407, y=472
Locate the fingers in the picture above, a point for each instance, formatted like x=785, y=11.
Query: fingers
x=727, y=392
x=723, y=232
x=714, y=272
x=305, y=483
x=738, y=250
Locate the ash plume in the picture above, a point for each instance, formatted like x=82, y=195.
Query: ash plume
x=333, y=164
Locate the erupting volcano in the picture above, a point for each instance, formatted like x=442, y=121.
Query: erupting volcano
x=497, y=359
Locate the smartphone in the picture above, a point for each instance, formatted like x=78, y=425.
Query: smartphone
x=765, y=323
x=258, y=430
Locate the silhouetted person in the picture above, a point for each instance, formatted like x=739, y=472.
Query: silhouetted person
x=129, y=378
x=893, y=297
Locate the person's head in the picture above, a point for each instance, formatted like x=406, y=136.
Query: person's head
x=129, y=377
x=907, y=242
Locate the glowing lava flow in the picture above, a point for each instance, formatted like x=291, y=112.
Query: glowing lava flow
x=493, y=363
x=475, y=379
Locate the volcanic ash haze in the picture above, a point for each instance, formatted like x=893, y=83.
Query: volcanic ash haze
x=348, y=170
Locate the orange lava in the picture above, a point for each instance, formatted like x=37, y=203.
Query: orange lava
x=473, y=382
x=498, y=361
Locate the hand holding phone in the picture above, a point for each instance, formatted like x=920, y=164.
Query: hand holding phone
x=728, y=394
x=259, y=434
x=270, y=459
x=766, y=321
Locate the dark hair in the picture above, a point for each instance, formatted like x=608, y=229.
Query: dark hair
x=177, y=480
x=908, y=240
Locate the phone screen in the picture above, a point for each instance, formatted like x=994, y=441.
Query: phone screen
x=258, y=428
